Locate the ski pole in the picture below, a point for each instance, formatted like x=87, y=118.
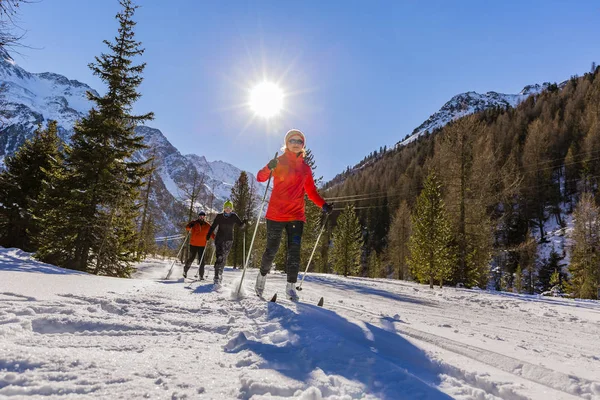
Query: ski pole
x=177, y=256
x=256, y=227
x=244, y=247
x=299, y=287
x=201, y=258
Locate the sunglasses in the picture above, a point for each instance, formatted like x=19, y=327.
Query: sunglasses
x=296, y=141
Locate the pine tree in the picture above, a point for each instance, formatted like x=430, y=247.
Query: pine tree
x=398, y=236
x=432, y=257
x=468, y=169
x=556, y=283
x=95, y=230
x=244, y=202
x=585, y=257
x=375, y=267
x=528, y=262
x=518, y=280
x=314, y=221
x=548, y=269
x=347, y=243
x=21, y=184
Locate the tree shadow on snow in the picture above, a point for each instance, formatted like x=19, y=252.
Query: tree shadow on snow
x=11, y=263
x=386, y=364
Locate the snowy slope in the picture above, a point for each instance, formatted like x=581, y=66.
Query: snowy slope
x=66, y=333
x=470, y=103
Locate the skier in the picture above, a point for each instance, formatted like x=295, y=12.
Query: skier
x=224, y=239
x=292, y=179
x=199, y=229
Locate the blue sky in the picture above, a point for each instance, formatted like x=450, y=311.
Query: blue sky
x=358, y=74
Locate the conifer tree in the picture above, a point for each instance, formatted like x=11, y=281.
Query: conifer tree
x=314, y=221
x=398, y=236
x=518, y=280
x=585, y=258
x=468, y=171
x=347, y=242
x=21, y=184
x=548, y=269
x=244, y=203
x=556, y=283
x=528, y=262
x=375, y=267
x=432, y=256
x=538, y=185
x=101, y=182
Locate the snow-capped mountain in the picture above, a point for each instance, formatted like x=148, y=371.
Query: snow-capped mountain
x=28, y=99
x=219, y=175
x=469, y=103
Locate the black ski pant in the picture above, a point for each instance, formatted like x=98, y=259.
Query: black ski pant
x=222, y=248
x=195, y=251
x=294, y=241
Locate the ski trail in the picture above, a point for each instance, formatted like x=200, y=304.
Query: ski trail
x=568, y=384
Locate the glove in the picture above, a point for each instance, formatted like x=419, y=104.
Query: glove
x=207, y=238
x=273, y=164
x=327, y=208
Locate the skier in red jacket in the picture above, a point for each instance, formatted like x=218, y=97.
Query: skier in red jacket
x=292, y=179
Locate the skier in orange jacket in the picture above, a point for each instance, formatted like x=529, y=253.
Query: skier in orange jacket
x=199, y=229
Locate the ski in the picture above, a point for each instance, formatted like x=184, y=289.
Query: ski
x=192, y=280
x=274, y=300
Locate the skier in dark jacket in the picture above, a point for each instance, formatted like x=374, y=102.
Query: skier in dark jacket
x=292, y=179
x=198, y=229
x=224, y=239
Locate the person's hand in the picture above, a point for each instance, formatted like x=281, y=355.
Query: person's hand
x=207, y=238
x=273, y=164
x=327, y=208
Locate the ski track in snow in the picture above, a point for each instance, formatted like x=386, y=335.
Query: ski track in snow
x=65, y=334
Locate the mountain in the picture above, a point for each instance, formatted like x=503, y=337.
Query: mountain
x=469, y=103
x=458, y=106
x=29, y=99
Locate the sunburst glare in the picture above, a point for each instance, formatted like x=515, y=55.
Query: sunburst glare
x=266, y=99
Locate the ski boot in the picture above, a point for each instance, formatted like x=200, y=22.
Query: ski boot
x=290, y=291
x=259, y=287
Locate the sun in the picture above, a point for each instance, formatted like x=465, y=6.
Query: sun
x=266, y=99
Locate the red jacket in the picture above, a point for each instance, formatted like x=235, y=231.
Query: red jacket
x=199, y=232
x=292, y=179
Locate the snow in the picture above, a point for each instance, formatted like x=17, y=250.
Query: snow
x=69, y=334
